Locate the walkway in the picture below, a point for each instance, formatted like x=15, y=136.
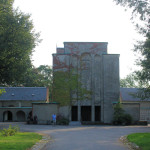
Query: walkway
x=83, y=137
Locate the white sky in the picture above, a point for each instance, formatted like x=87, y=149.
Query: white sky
x=81, y=21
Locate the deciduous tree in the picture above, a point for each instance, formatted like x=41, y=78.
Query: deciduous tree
x=141, y=10
x=132, y=81
x=67, y=88
x=17, y=41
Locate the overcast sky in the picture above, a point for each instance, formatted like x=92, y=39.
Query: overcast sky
x=81, y=21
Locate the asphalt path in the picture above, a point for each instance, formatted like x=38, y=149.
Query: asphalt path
x=82, y=137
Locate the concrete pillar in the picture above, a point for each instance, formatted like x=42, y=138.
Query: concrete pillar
x=70, y=112
x=93, y=113
x=79, y=111
x=14, y=115
x=1, y=116
x=92, y=89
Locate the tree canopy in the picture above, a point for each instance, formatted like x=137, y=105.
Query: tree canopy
x=132, y=81
x=17, y=42
x=38, y=77
x=67, y=88
x=141, y=10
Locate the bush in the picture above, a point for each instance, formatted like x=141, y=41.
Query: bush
x=10, y=131
x=120, y=117
x=127, y=119
x=62, y=120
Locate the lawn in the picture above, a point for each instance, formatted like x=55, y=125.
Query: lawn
x=140, y=139
x=20, y=141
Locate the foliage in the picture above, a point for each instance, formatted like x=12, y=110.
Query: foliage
x=17, y=41
x=118, y=114
x=144, y=63
x=140, y=139
x=38, y=77
x=132, y=81
x=120, y=117
x=10, y=131
x=68, y=88
x=2, y=91
x=127, y=119
x=141, y=10
x=46, y=72
x=62, y=120
x=32, y=78
x=26, y=140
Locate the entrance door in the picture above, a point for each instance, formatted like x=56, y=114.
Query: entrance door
x=74, y=112
x=86, y=113
x=97, y=113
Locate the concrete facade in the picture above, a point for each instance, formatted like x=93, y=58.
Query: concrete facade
x=99, y=73
x=140, y=111
x=137, y=108
x=44, y=111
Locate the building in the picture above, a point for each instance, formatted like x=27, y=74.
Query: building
x=99, y=73
x=16, y=103
x=137, y=108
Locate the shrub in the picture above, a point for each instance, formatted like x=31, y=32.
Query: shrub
x=61, y=120
x=127, y=119
x=10, y=131
x=118, y=114
x=120, y=117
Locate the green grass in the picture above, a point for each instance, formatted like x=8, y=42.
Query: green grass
x=140, y=139
x=20, y=141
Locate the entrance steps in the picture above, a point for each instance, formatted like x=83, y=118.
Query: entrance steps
x=75, y=123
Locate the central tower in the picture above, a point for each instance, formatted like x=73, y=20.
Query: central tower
x=99, y=73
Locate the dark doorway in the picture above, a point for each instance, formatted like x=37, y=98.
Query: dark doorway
x=20, y=116
x=86, y=113
x=74, y=112
x=30, y=114
x=97, y=113
x=7, y=116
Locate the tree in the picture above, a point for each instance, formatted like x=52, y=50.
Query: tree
x=141, y=9
x=67, y=88
x=46, y=71
x=132, y=81
x=2, y=91
x=17, y=41
x=38, y=77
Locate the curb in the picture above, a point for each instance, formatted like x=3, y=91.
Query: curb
x=130, y=145
x=40, y=145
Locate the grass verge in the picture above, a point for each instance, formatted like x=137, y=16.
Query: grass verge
x=140, y=139
x=20, y=141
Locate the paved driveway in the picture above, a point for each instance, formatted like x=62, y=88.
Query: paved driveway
x=83, y=137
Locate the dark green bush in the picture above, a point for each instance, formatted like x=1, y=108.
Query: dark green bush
x=61, y=120
x=127, y=119
x=120, y=117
